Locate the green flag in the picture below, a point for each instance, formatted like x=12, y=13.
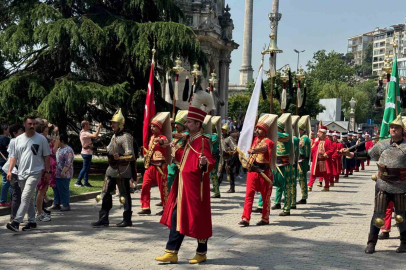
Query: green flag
x=392, y=104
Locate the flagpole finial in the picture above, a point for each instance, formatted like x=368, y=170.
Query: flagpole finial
x=153, y=54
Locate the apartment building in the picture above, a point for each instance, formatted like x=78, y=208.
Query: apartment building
x=383, y=45
x=358, y=44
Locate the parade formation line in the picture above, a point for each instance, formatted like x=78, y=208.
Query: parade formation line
x=326, y=233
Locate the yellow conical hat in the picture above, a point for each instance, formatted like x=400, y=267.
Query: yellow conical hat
x=181, y=117
x=118, y=117
x=225, y=126
x=397, y=121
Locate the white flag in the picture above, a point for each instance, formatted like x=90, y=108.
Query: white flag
x=167, y=92
x=247, y=132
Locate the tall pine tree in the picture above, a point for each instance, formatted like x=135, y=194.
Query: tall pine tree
x=67, y=59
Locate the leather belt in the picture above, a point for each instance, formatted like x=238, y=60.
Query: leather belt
x=282, y=160
x=391, y=174
x=262, y=166
x=115, y=165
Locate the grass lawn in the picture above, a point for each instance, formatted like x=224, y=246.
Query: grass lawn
x=95, y=180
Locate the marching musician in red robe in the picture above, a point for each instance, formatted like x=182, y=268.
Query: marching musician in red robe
x=156, y=160
x=188, y=211
x=321, y=166
x=336, y=161
x=261, y=155
x=368, y=144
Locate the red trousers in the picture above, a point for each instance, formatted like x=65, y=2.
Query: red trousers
x=327, y=179
x=153, y=177
x=368, y=162
x=331, y=180
x=388, y=218
x=255, y=182
x=362, y=163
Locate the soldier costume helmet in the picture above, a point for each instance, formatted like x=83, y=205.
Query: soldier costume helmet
x=397, y=122
x=118, y=117
x=225, y=127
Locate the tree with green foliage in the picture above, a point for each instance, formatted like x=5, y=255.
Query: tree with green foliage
x=329, y=67
x=70, y=59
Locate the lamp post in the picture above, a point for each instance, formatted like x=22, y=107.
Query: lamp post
x=352, y=114
x=298, y=53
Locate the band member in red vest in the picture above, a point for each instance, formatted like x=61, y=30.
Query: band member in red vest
x=336, y=161
x=368, y=144
x=322, y=152
x=188, y=211
x=156, y=160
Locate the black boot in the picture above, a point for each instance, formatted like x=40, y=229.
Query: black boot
x=383, y=235
x=302, y=201
x=232, y=189
x=257, y=210
x=276, y=206
x=102, y=222
x=372, y=240
x=402, y=247
x=145, y=212
x=126, y=220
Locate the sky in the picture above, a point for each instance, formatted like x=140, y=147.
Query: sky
x=310, y=25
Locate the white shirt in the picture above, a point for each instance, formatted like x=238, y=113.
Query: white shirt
x=30, y=153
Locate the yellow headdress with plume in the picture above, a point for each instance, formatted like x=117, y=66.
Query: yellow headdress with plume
x=397, y=122
x=118, y=117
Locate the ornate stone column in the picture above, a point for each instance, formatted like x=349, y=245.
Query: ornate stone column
x=274, y=18
x=223, y=84
x=246, y=70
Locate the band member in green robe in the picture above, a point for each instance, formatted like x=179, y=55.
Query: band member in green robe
x=296, y=141
x=179, y=141
x=304, y=155
x=284, y=174
x=217, y=154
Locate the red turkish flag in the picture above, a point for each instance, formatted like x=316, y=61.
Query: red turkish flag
x=150, y=111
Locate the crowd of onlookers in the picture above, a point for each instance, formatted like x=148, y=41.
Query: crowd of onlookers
x=233, y=125
x=33, y=158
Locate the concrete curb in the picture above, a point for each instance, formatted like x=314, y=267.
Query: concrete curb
x=75, y=198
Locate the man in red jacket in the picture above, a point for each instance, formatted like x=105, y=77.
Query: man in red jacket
x=188, y=210
x=156, y=160
x=368, y=144
x=322, y=151
x=336, y=161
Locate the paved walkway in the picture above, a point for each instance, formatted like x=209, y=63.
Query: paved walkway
x=330, y=232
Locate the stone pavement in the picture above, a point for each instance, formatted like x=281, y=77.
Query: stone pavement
x=330, y=232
